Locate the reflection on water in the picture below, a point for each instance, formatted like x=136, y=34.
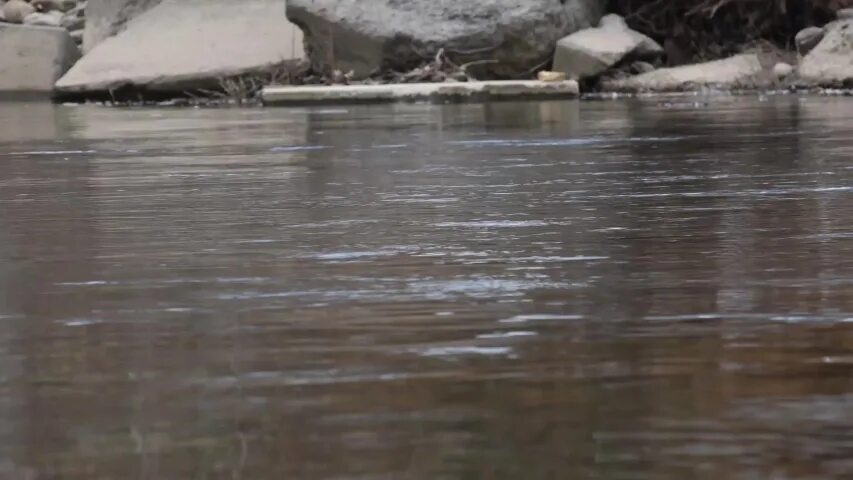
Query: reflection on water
x=542, y=290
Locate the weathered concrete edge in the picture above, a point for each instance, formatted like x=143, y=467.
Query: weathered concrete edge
x=413, y=92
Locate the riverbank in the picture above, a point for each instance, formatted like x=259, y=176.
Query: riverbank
x=232, y=52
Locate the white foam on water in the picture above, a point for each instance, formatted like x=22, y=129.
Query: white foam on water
x=495, y=224
x=464, y=350
x=539, y=317
x=514, y=334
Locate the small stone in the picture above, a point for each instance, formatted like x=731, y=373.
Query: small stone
x=16, y=10
x=844, y=13
x=49, y=19
x=782, y=70
x=808, y=38
x=44, y=5
x=546, y=76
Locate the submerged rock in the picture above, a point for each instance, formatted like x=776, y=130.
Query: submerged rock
x=808, y=38
x=740, y=71
x=161, y=50
x=509, y=37
x=830, y=63
x=34, y=57
x=14, y=11
x=592, y=51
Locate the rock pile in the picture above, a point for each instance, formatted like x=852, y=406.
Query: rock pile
x=613, y=57
x=68, y=14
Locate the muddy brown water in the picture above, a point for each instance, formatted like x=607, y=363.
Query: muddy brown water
x=600, y=290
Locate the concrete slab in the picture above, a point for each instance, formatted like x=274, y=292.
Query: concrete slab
x=182, y=45
x=413, y=92
x=740, y=71
x=32, y=58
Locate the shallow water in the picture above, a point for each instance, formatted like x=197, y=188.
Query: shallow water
x=601, y=290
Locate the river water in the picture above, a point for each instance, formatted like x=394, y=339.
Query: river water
x=641, y=289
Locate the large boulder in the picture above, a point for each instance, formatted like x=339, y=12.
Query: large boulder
x=105, y=18
x=161, y=50
x=740, y=71
x=34, y=57
x=508, y=38
x=830, y=63
x=591, y=51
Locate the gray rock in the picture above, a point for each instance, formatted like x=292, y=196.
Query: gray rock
x=161, y=50
x=590, y=52
x=66, y=5
x=50, y=5
x=366, y=36
x=49, y=19
x=844, y=13
x=14, y=11
x=830, y=63
x=740, y=71
x=105, y=18
x=75, y=19
x=808, y=38
x=34, y=57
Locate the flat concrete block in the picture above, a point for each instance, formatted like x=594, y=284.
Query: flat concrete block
x=740, y=71
x=187, y=44
x=32, y=58
x=413, y=92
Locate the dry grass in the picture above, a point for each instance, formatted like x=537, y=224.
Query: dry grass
x=246, y=88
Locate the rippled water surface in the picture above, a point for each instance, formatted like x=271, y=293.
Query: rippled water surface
x=602, y=290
